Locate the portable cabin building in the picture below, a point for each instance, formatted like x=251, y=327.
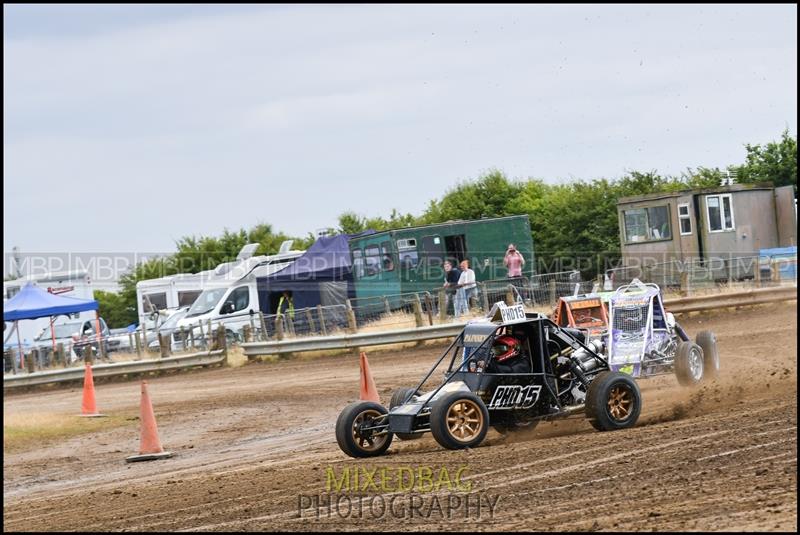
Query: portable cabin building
x=722, y=228
x=411, y=259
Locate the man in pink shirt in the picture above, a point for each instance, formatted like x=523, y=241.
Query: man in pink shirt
x=513, y=261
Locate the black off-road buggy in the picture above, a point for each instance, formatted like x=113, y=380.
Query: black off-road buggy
x=559, y=374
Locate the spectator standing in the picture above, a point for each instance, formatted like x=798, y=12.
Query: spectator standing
x=285, y=304
x=513, y=261
x=466, y=288
x=451, y=276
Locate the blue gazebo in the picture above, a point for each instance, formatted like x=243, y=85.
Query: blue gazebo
x=32, y=302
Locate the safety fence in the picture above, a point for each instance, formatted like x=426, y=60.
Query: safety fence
x=216, y=354
x=102, y=370
x=715, y=273
x=414, y=310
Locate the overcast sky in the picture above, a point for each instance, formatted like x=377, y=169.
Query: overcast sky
x=127, y=127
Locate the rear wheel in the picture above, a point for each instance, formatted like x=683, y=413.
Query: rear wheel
x=613, y=401
x=689, y=363
x=707, y=341
x=355, y=431
x=459, y=420
x=398, y=398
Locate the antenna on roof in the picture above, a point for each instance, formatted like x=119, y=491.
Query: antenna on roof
x=16, y=263
x=247, y=251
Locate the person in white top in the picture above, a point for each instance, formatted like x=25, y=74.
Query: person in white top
x=466, y=288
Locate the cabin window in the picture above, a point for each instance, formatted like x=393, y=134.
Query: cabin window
x=407, y=251
x=240, y=298
x=159, y=301
x=719, y=209
x=187, y=298
x=386, y=256
x=685, y=219
x=647, y=224
x=372, y=260
x=432, y=250
x=358, y=263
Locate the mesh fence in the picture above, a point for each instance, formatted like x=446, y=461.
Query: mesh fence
x=712, y=274
x=438, y=306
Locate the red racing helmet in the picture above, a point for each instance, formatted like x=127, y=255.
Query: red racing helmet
x=506, y=347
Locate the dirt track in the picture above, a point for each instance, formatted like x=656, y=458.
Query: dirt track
x=250, y=441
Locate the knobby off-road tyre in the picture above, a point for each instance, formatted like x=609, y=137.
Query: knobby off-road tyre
x=707, y=341
x=354, y=443
x=689, y=363
x=613, y=401
x=459, y=420
x=398, y=398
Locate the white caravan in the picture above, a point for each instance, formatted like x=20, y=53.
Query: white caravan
x=168, y=293
x=66, y=283
x=232, y=293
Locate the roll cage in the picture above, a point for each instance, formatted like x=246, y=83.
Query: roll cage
x=544, y=342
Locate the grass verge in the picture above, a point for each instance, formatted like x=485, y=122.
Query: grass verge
x=23, y=431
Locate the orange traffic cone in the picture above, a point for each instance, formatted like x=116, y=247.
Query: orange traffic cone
x=150, y=446
x=88, y=406
x=368, y=390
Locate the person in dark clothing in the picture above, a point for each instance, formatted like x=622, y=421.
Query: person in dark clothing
x=451, y=276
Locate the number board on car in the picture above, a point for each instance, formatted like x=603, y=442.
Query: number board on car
x=512, y=314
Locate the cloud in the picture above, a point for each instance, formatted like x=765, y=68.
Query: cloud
x=293, y=114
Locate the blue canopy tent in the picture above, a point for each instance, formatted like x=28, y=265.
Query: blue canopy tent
x=322, y=276
x=32, y=302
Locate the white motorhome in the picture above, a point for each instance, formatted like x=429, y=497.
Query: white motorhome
x=66, y=283
x=169, y=293
x=231, y=294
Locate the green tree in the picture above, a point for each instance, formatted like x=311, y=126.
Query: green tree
x=774, y=162
x=703, y=177
x=488, y=196
x=115, y=310
x=351, y=223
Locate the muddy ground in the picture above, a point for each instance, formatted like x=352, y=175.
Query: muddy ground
x=254, y=449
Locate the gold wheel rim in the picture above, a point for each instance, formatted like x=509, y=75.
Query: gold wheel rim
x=368, y=443
x=620, y=403
x=464, y=420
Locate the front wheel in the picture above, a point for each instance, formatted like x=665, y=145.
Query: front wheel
x=689, y=363
x=707, y=341
x=358, y=430
x=613, y=401
x=459, y=420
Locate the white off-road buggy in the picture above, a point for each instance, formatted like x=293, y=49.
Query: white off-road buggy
x=644, y=340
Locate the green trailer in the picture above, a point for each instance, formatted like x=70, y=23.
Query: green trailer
x=411, y=259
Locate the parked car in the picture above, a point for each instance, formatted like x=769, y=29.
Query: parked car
x=169, y=328
x=75, y=335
